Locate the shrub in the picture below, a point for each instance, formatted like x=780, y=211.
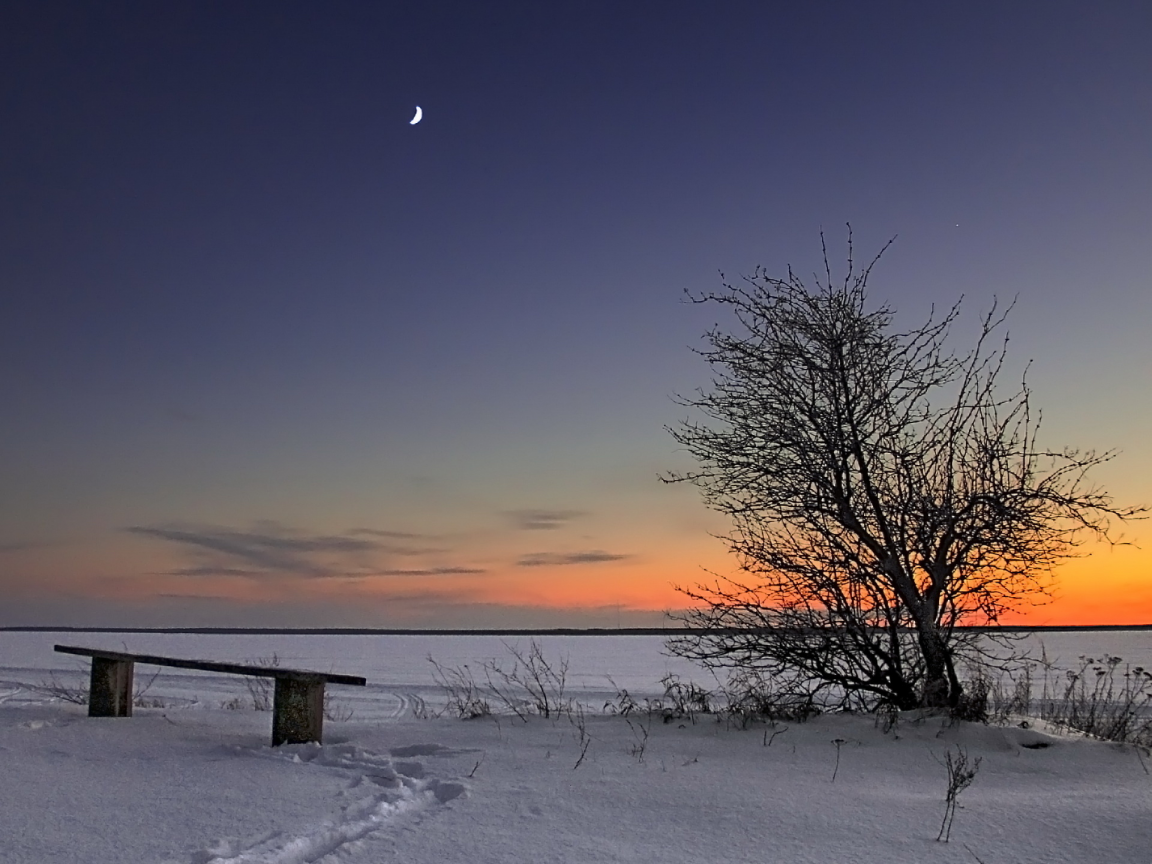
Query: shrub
x=683, y=700
x=466, y=699
x=750, y=697
x=960, y=776
x=532, y=684
x=1102, y=697
x=1101, y=702
x=972, y=706
x=624, y=704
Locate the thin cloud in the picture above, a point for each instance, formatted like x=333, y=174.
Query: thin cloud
x=282, y=551
x=396, y=549
x=432, y=571
x=554, y=559
x=216, y=571
x=20, y=547
x=543, y=520
x=429, y=599
x=274, y=551
x=392, y=535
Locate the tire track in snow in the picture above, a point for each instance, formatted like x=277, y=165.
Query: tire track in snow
x=402, y=702
x=399, y=704
x=393, y=789
x=415, y=705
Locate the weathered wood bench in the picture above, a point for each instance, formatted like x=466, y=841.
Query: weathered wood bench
x=297, y=706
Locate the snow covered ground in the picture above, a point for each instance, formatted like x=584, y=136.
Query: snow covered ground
x=193, y=782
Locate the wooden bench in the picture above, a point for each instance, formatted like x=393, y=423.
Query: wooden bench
x=297, y=707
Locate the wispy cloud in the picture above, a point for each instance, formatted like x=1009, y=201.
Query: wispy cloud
x=542, y=520
x=20, y=547
x=272, y=550
x=392, y=535
x=552, y=559
x=215, y=571
x=432, y=571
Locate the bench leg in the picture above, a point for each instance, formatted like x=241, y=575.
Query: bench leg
x=110, y=688
x=298, y=711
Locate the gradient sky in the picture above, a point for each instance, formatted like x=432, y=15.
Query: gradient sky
x=270, y=355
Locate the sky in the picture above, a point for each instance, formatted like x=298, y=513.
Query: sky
x=270, y=355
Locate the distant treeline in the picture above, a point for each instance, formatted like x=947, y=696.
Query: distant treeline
x=556, y=631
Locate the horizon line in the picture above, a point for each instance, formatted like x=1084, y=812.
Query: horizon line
x=504, y=631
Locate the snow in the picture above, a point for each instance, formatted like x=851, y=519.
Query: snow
x=195, y=783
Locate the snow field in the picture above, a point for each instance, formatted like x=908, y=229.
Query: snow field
x=196, y=783
x=203, y=787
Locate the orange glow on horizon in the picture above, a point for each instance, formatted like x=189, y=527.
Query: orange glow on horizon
x=1111, y=585
x=1108, y=586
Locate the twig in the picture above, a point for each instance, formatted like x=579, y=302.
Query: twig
x=839, y=742
x=641, y=736
x=768, y=741
x=576, y=716
x=479, y=762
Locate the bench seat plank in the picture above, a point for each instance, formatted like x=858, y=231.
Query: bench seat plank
x=212, y=666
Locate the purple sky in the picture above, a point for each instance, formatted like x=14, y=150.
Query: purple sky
x=248, y=313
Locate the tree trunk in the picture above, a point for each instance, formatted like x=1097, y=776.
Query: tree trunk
x=941, y=688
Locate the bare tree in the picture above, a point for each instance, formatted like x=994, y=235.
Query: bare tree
x=884, y=491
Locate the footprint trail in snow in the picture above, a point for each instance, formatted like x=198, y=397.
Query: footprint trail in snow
x=380, y=790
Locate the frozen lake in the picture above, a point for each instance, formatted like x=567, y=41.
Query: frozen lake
x=398, y=669
x=400, y=676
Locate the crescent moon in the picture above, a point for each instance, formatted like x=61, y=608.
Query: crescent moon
x=417, y=118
